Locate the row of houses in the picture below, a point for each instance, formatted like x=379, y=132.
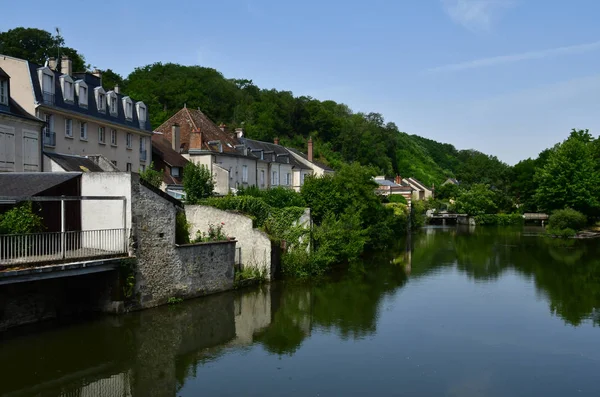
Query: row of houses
x=54, y=119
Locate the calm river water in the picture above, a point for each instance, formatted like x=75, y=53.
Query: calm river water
x=453, y=312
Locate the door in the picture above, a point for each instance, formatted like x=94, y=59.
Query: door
x=31, y=151
x=7, y=148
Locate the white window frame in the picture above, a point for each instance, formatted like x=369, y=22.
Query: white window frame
x=142, y=112
x=68, y=88
x=46, y=71
x=114, y=136
x=4, y=92
x=100, y=95
x=112, y=98
x=275, y=179
x=83, y=131
x=288, y=179
x=129, y=140
x=69, y=128
x=82, y=100
x=262, y=178
x=102, y=135
x=128, y=108
x=244, y=174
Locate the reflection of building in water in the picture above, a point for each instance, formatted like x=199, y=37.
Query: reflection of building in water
x=408, y=255
x=114, y=386
x=252, y=314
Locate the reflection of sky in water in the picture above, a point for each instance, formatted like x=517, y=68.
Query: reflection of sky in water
x=464, y=324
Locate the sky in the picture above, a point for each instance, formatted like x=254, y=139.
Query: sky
x=506, y=77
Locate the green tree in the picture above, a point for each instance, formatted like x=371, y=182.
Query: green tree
x=477, y=200
x=198, y=183
x=111, y=79
x=21, y=219
x=570, y=178
x=153, y=176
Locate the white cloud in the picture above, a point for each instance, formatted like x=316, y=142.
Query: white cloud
x=492, y=61
x=476, y=14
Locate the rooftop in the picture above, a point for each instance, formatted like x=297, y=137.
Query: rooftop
x=26, y=184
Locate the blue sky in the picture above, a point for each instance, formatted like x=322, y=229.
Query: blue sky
x=507, y=77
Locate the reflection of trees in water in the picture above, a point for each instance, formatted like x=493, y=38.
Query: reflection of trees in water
x=348, y=305
x=566, y=272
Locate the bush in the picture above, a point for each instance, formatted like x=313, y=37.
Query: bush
x=567, y=219
x=397, y=198
x=254, y=207
x=198, y=183
x=21, y=219
x=277, y=197
x=417, y=214
x=561, y=233
x=215, y=233
x=182, y=229
x=152, y=176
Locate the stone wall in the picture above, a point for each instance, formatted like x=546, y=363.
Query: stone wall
x=255, y=245
x=165, y=270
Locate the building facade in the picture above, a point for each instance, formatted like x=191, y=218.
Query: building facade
x=81, y=116
x=20, y=133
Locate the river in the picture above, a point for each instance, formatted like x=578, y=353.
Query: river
x=451, y=312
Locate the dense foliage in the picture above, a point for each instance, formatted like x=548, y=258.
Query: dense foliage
x=198, y=183
x=153, y=176
x=21, y=219
x=566, y=222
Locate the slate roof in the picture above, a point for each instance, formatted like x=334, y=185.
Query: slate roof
x=393, y=185
x=162, y=148
x=92, y=110
x=73, y=163
x=267, y=147
x=419, y=183
x=26, y=184
x=319, y=164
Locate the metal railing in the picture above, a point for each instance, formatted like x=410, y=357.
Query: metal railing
x=49, y=137
x=48, y=98
x=143, y=154
x=48, y=247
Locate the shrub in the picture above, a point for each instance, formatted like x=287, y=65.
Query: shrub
x=198, y=183
x=397, y=198
x=21, y=219
x=277, y=197
x=152, y=176
x=182, y=229
x=215, y=233
x=561, y=233
x=251, y=206
x=567, y=219
x=417, y=214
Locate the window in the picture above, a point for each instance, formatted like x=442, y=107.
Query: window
x=129, y=140
x=128, y=107
x=142, y=168
x=175, y=171
x=48, y=87
x=141, y=113
x=128, y=168
x=303, y=178
x=230, y=173
x=100, y=95
x=68, y=88
x=113, y=104
x=245, y=174
x=288, y=179
x=275, y=180
x=101, y=135
x=262, y=177
x=3, y=92
x=69, y=128
x=82, y=93
x=143, y=152
x=83, y=130
x=113, y=137
x=49, y=134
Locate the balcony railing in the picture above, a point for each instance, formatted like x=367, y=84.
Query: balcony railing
x=19, y=249
x=143, y=154
x=48, y=98
x=49, y=137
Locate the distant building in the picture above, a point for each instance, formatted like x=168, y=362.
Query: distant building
x=55, y=162
x=420, y=191
x=451, y=181
x=20, y=133
x=319, y=169
x=168, y=160
x=81, y=117
x=388, y=187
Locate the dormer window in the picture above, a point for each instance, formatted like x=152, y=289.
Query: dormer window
x=82, y=93
x=141, y=113
x=46, y=77
x=66, y=83
x=100, y=99
x=3, y=92
x=128, y=108
x=112, y=103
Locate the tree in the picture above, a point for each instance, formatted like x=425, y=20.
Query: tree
x=198, y=182
x=153, y=176
x=38, y=45
x=478, y=200
x=570, y=178
x=111, y=79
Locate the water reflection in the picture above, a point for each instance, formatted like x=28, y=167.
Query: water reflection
x=566, y=272
x=161, y=352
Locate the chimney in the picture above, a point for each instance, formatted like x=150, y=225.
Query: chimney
x=276, y=141
x=239, y=132
x=66, y=65
x=117, y=89
x=175, y=138
x=52, y=63
x=196, y=139
x=398, y=180
x=222, y=127
x=310, y=149
x=98, y=74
